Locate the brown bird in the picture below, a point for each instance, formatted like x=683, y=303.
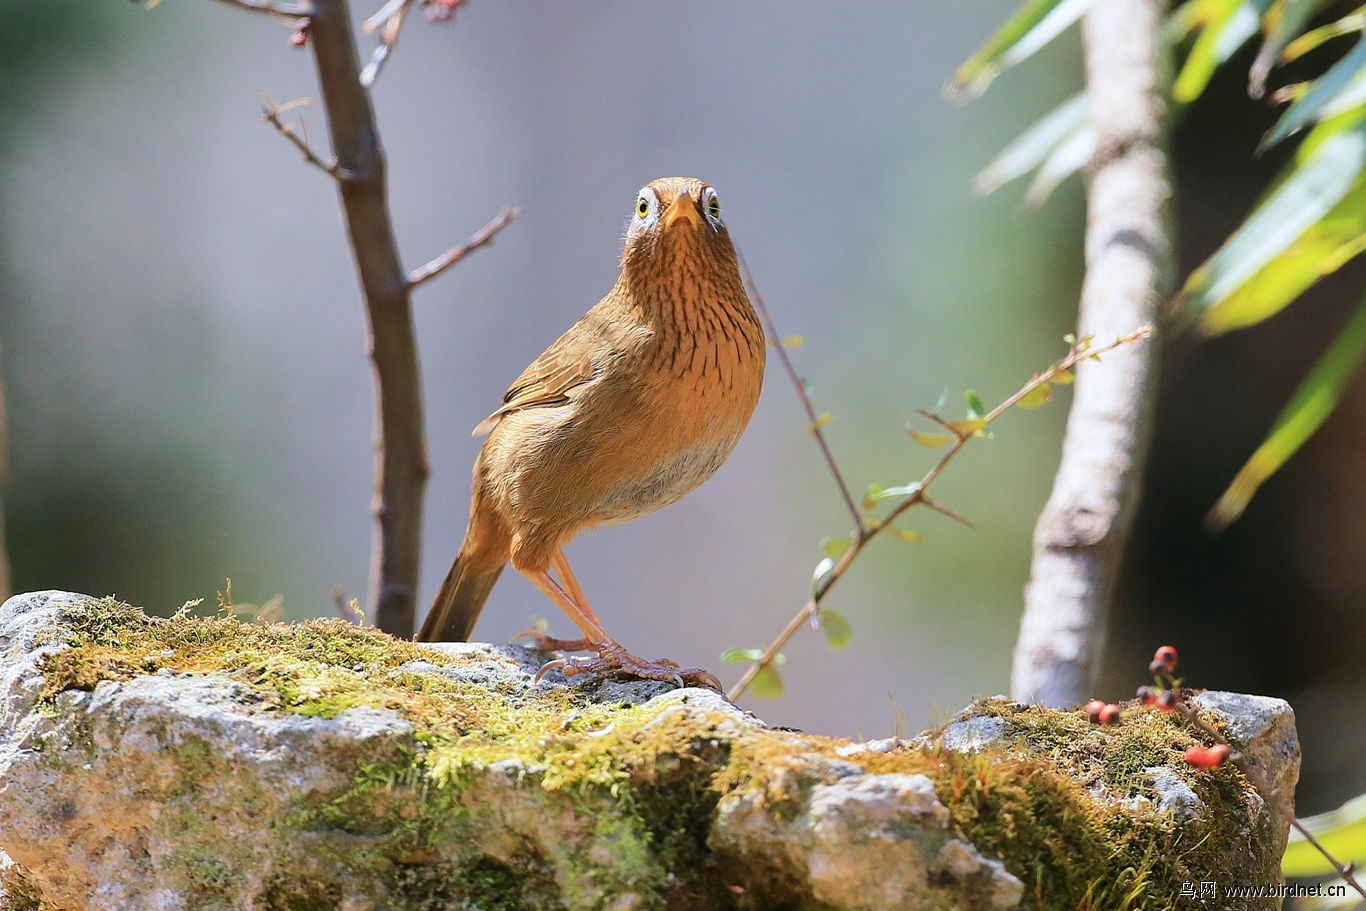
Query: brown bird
x=630, y=410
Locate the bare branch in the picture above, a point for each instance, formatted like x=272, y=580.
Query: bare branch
x=1080, y=537
x=388, y=21
x=270, y=113
x=401, y=457
x=800, y=387
x=1080, y=351
x=292, y=9
x=481, y=238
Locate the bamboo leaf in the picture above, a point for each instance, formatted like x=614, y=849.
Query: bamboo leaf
x=1282, y=22
x=1034, y=146
x=1343, y=834
x=1228, y=25
x=1327, y=169
x=1310, y=406
x=1315, y=38
x=1340, y=89
x=1067, y=159
x=1032, y=26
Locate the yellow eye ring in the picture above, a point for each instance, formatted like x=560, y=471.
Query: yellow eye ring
x=642, y=207
x=714, y=207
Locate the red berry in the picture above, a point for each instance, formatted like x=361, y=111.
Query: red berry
x=1093, y=709
x=1207, y=757
x=1166, y=700
x=1164, y=660
x=1147, y=695
x=1109, y=714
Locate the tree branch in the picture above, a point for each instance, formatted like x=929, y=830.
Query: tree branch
x=294, y=9
x=270, y=113
x=1082, y=350
x=481, y=238
x=1080, y=537
x=802, y=394
x=401, y=457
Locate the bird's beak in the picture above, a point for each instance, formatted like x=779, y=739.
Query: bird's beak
x=682, y=209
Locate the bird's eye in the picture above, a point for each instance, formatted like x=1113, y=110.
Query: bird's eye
x=642, y=207
x=713, y=206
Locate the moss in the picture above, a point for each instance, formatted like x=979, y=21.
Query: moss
x=645, y=780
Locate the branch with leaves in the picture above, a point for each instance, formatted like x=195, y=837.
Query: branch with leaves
x=762, y=674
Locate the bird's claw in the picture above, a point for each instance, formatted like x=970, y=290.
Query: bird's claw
x=613, y=659
x=543, y=643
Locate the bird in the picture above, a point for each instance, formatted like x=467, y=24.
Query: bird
x=631, y=409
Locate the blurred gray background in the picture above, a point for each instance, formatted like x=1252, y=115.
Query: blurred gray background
x=190, y=398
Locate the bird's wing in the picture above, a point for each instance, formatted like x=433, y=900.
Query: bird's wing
x=574, y=359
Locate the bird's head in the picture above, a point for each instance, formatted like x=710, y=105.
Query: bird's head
x=676, y=224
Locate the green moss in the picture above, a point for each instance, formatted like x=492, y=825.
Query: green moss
x=645, y=780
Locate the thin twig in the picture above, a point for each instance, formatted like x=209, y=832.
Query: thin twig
x=945, y=511
x=293, y=9
x=1082, y=350
x=389, y=21
x=481, y=238
x=270, y=113
x=814, y=421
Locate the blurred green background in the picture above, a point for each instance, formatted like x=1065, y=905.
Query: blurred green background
x=190, y=399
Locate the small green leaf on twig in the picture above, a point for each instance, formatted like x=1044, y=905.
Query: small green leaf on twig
x=767, y=683
x=820, y=578
x=876, y=493
x=908, y=535
x=929, y=440
x=821, y=420
x=741, y=655
x=836, y=628
x=793, y=341
x=1064, y=377
x=976, y=408
x=834, y=547
x=1037, y=397
x=966, y=428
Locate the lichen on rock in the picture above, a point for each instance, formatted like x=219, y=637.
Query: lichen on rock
x=208, y=763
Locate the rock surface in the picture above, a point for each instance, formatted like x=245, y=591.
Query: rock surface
x=206, y=763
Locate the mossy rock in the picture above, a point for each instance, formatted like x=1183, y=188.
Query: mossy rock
x=208, y=763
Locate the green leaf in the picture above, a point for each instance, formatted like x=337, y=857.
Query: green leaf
x=767, y=684
x=1341, y=831
x=794, y=341
x=876, y=493
x=1034, y=146
x=1282, y=21
x=1067, y=159
x=1228, y=25
x=836, y=628
x=976, y=408
x=821, y=420
x=1235, y=287
x=1037, y=397
x=1340, y=89
x=1032, y=26
x=905, y=534
x=929, y=440
x=1315, y=38
x=835, y=548
x=820, y=579
x=741, y=655
x=1306, y=411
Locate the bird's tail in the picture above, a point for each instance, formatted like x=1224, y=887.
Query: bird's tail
x=477, y=566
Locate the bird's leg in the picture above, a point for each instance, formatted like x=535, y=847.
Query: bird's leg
x=612, y=656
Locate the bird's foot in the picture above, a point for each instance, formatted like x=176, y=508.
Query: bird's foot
x=544, y=643
x=614, y=659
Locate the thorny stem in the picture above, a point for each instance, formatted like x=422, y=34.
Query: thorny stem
x=270, y=113
x=797, y=384
x=809, y=612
